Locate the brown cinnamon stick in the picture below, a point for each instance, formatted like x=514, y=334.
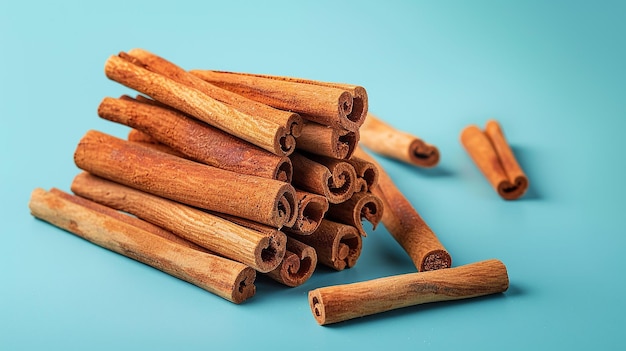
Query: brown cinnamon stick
x=329, y=104
x=226, y=278
x=365, y=170
x=361, y=206
x=264, y=200
x=258, y=131
x=297, y=266
x=257, y=250
x=311, y=208
x=196, y=140
x=327, y=141
x=406, y=225
x=334, y=179
x=338, y=303
x=495, y=159
x=384, y=139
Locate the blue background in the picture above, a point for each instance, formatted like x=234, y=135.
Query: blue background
x=552, y=72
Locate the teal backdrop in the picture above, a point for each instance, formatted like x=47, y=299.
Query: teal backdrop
x=552, y=72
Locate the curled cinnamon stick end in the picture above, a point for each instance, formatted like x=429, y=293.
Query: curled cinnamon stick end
x=365, y=170
x=339, y=303
x=326, y=176
x=384, y=139
x=492, y=154
x=326, y=141
x=297, y=266
x=310, y=208
x=361, y=206
x=228, y=279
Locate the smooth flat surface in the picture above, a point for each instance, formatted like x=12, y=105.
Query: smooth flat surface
x=553, y=74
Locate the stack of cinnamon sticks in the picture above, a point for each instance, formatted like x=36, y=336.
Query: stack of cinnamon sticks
x=222, y=175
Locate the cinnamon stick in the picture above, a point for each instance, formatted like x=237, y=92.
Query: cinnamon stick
x=384, y=139
x=327, y=141
x=365, y=170
x=297, y=266
x=311, y=208
x=406, y=225
x=226, y=278
x=361, y=206
x=334, y=179
x=338, y=303
x=495, y=159
x=260, y=132
x=257, y=250
x=264, y=200
x=328, y=104
x=196, y=140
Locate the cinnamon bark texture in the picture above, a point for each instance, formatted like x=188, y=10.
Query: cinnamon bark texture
x=258, y=131
x=264, y=200
x=338, y=303
x=406, y=225
x=143, y=139
x=335, y=179
x=196, y=140
x=310, y=208
x=361, y=206
x=226, y=278
x=331, y=104
x=338, y=246
x=495, y=159
x=327, y=141
x=297, y=266
x=384, y=139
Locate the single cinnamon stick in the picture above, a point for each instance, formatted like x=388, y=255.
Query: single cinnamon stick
x=260, y=132
x=297, y=266
x=257, y=250
x=327, y=141
x=495, y=159
x=338, y=246
x=338, y=303
x=365, y=170
x=226, y=278
x=361, y=206
x=311, y=208
x=331, y=105
x=384, y=139
x=196, y=140
x=406, y=225
x=334, y=179
x=264, y=200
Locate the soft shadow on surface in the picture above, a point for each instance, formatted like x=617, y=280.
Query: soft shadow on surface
x=524, y=157
x=440, y=170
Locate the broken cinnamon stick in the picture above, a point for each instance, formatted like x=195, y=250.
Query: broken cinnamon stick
x=264, y=200
x=310, y=208
x=384, y=139
x=334, y=179
x=406, y=225
x=327, y=141
x=338, y=303
x=226, y=278
x=361, y=206
x=297, y=266
x=495, y=159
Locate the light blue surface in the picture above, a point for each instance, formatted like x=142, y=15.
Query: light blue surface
x=553, y=73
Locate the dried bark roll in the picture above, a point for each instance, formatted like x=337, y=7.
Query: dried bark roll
x=338, y=303
x=334, y=179
x=311, y=208
x=406, y=225
x=495, y=159
x=257, y=250
x=226, y=278
x=327, y=141
x=361, y=206
x=260, y=132
x=196, y=140
x=264, y=200
x=384, y=139
x=365, y=170
x=297, y=266
x=338, y=246
x=327, y=104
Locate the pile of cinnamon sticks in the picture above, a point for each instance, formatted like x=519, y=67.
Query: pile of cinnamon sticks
x=222, y=175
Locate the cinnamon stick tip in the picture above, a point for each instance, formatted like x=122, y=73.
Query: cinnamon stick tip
x=299, y=268
x=317, y=306
x=513, y=191
x=423, y=154
x=270, y=251
x=436, y=259
x=244, y=287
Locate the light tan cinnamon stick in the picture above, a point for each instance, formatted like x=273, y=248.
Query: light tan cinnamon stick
x=361, y=206
x=334, y=179
x=258, y=131
x=338, y=303
x=384, y=139
x=297, y=266
x=264, y=200
x=328, y=104
x=311, y=208
x=327, y=141
x=226, y=278
x=196, y=140
x=406, y=225
x=338, y=246
x=495, y=159
x=257, y=250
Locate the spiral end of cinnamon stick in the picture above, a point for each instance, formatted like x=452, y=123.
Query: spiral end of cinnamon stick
x=285, y=207
x=311, y=209
x=284, y=170
x=297, y=267
x=317, y=306
x=371, y=210
x=346, y=248
x=423, y=154
x=515, y=190
x=244, y=287
x=436, y=259
x=270, y=251
x=341, y=184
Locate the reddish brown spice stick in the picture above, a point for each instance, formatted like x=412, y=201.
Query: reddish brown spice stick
x=334, y=178
x=143, y=139
x=384, y=139
x=297, y=266
x=406, y=225
x=495, y=159
x=226, y=278
x=366, y=171
x=323, y=140
x=257, y=250
x=264, y=200
x=311, y=208
x=338, y=303
x=361, y=206
x=196, y=140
